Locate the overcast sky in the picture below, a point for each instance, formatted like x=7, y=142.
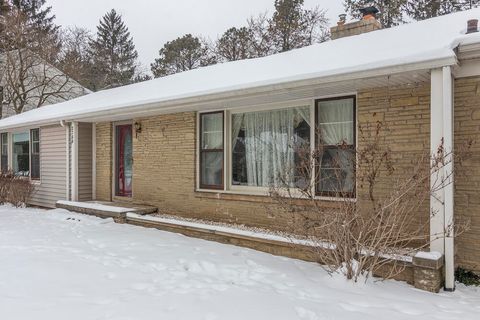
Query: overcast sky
x=154, y=22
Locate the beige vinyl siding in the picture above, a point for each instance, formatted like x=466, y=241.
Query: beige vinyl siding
x=53, y=167
x=85, y=154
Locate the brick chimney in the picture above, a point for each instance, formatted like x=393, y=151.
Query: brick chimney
x=368, y=23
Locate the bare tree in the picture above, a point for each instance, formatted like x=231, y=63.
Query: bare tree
x=74, y=58
x=28, y=78
x=380, y=227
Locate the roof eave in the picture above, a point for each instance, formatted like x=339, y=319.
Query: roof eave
x=179, y=103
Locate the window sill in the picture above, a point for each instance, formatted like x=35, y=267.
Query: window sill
x=252, y=196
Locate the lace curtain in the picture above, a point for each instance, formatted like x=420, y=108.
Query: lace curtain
x=336, y=127
x=335, y=121
x=270, y=140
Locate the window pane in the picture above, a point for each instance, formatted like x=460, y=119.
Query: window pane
x=336, y=171
x=4, y=143
x=35, y=166
x=266, y=144
x=35, y=147
x=335, y=121
x=21, y=153
x=212, y=169
x=35, y=135
x=212, y=131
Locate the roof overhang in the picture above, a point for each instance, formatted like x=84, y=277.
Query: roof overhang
x=309, y=86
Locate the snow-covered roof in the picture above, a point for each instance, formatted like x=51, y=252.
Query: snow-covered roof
x=417, y=43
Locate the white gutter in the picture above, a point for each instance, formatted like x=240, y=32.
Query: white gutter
x=74, y=155
x=174, y=103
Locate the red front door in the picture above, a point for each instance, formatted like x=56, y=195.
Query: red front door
x=123, y=161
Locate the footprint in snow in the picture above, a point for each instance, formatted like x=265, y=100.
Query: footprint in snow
x=306, y=314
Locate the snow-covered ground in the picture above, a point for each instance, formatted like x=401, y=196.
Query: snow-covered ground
x=60, y=265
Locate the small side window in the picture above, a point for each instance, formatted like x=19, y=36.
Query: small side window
x=35, y=154
x=211, y=150
x=4, y=152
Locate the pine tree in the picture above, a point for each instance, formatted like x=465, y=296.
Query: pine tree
x=391, y=11
x=424, y=9
x=113, y=53
x=184, y=53
x=294, y=27
x=236, y=44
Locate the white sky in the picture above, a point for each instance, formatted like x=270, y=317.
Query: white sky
x=154, y=22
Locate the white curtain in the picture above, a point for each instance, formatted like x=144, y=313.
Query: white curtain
x=269, y=144
x=212, y=128
x=335, y=119
x=237, y=122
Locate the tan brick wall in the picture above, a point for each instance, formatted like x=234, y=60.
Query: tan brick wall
x=405, y=114
x=104, y=136
x=164, y=153
x=467, y=188
x=164, y=175
x=164, y=165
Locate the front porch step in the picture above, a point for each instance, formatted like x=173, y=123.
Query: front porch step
x=106, y=209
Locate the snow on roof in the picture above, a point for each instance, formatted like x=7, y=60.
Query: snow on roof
x=425, y=41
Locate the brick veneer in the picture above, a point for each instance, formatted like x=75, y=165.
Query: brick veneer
x=164, y=161
x=104, y=137
x=467, y=188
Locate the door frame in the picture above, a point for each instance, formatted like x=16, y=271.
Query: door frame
x=114, y=159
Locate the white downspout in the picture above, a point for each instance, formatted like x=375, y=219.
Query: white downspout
x=67, y=159
x=448, y=171
x=94, y=161
x=74, y=168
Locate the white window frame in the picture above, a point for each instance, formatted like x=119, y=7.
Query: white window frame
x=10, y=151
x=228, y=188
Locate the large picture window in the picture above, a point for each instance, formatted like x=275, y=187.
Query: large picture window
x=335, y=120
x=21, y=153
x=265, y=146
x=35, y=153
x=211, y=150
x=4, y=152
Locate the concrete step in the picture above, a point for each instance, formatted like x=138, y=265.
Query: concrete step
x=106, y=209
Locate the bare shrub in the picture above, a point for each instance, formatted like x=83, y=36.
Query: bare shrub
x=15, y=190
x=377, y=228
x=6, y=179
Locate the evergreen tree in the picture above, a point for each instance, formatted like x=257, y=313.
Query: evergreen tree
x=391, y=11
x=113, y=53
x=424, y=9
x=294, y=27
x=184, y=53
x=236, y=44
